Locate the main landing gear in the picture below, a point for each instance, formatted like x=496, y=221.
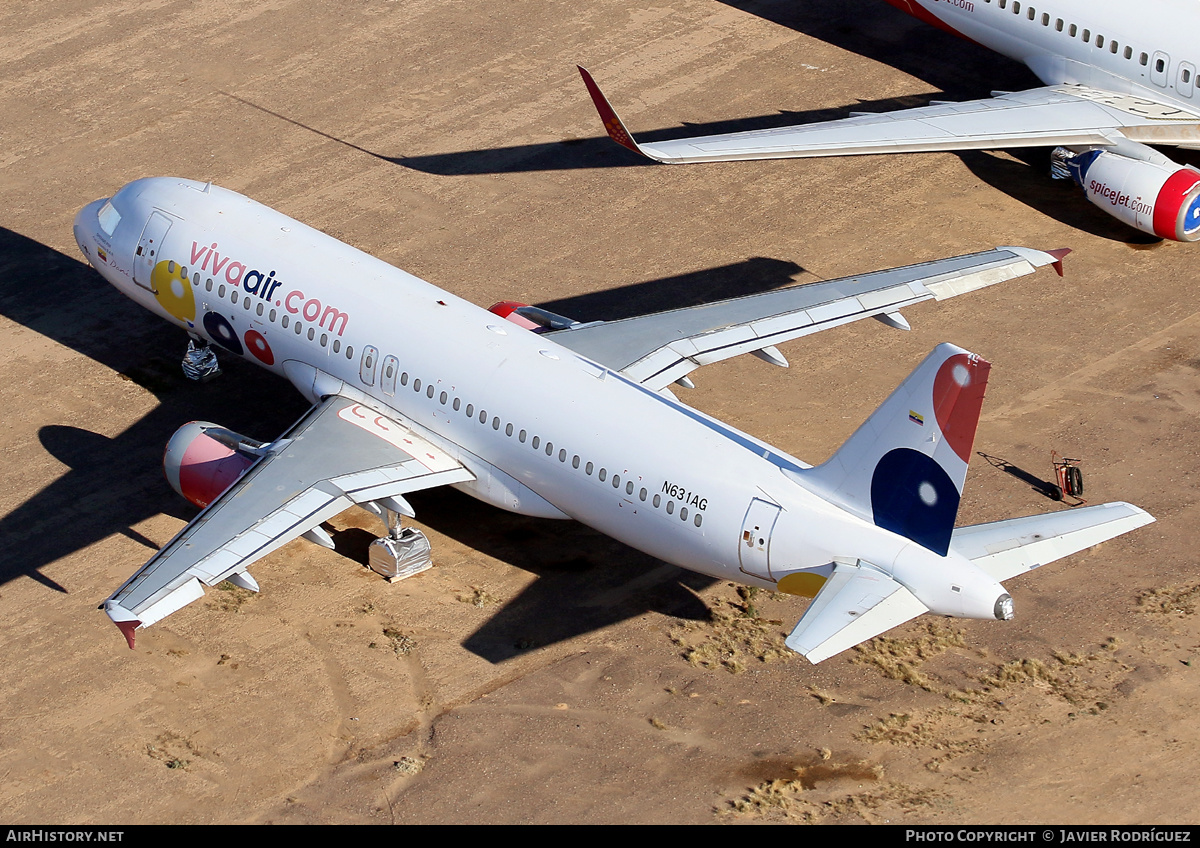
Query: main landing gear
x=403, y=552
x=200, y=361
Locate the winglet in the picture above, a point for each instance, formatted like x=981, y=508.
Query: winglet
x=1058, y=258
x=608, y=116
x=126, y=622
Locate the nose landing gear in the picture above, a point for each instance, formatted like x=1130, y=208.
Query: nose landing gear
x=200, y=361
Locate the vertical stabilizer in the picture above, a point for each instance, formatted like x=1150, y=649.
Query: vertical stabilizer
x=904, y=468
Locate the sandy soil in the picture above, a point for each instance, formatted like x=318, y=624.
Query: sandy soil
x=541, y=672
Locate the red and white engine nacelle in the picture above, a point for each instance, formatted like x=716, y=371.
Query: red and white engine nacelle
x=1157, y=198
x=202, y=460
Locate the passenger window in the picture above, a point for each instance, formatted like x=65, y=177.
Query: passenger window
x=284, y=321
x=429, y=391
x=1058, y=25
x=603, y=474
x=537, y=440
x=521, y=437
x=616, y=481
x=588, y=469
x=1074, y=29
x=233, y=295
x=482, y=417
x=657, y=500
x=417, y=385
x=549, y=448
x=699, y=519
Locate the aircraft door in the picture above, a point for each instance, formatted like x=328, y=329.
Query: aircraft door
x=1187, y=79
x=754, y=548
x=1160, y=63
x=149, y=248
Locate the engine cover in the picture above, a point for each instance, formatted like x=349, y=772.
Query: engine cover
x=1163, y=200
x=202, y=460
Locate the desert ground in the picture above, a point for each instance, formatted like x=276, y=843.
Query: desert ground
x=540, y=672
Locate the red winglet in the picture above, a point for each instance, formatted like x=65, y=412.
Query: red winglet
x=127, y=628
x=608, y=116
x=1058, y=258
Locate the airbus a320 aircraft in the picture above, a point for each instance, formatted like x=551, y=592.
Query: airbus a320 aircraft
x=413, y=387
x=1118, y=76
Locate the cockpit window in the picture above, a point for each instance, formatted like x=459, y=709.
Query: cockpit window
x=109, y=217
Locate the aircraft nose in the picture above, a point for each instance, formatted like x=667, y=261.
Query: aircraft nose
x=85, y=226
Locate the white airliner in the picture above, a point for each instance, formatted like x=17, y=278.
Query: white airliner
x=413, y=387
x=1118, y=76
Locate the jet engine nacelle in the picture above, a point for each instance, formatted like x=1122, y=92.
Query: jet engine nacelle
x=1161, y=199
x=202, y=460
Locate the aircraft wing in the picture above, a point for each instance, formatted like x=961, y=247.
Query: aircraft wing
x=658, y=349
x=857, y=603
x=1005, y=549
x=1066, y=115
x=337, y=455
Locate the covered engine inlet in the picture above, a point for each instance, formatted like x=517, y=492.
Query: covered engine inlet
x=202, y=460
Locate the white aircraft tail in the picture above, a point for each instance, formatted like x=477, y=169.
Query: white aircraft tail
x=904, y=468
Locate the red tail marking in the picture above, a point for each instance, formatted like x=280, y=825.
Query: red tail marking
x=958, y=392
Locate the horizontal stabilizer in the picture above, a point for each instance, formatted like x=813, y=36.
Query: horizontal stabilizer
x=1004, y=549
x=857, y=603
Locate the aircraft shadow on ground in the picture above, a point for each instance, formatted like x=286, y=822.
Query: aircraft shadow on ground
x=586, y=580
x=738, y=279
